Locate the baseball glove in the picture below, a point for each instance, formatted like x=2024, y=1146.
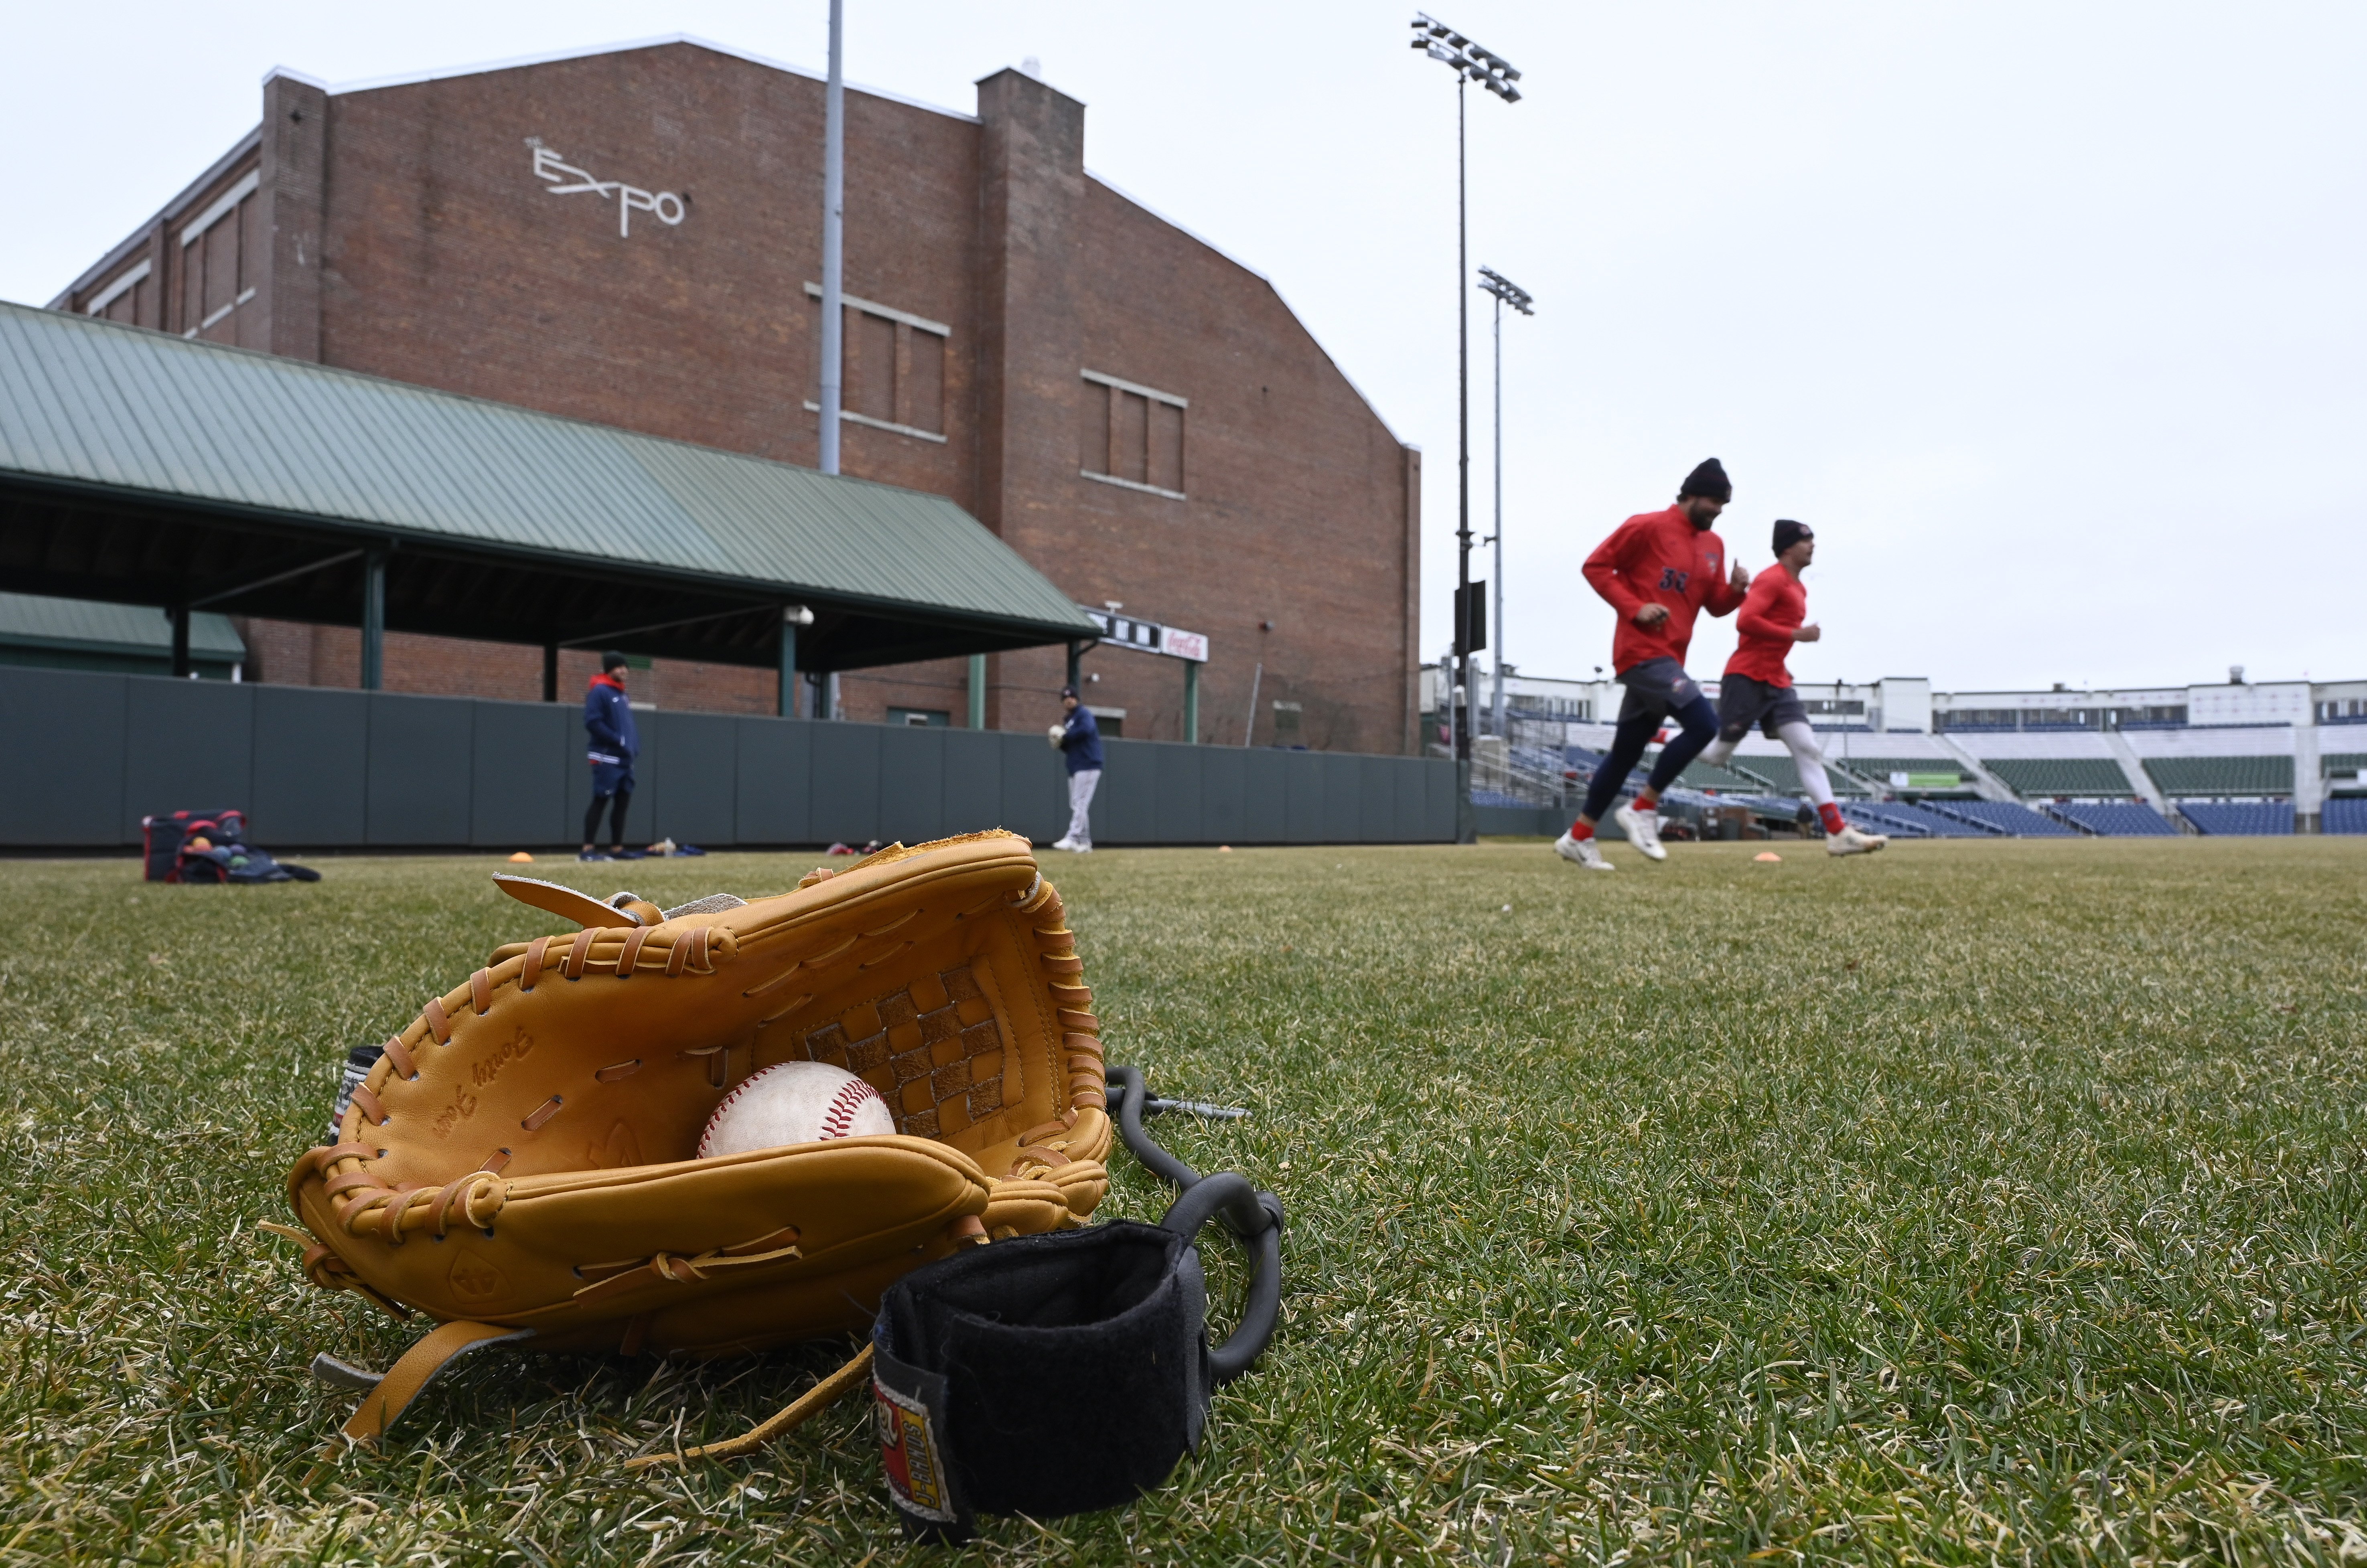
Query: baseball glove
x=518, y=1166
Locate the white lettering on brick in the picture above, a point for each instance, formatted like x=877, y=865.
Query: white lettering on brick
x=563, y=179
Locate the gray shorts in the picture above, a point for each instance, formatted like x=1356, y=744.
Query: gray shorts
x=1743, y=701
x=1656, y=688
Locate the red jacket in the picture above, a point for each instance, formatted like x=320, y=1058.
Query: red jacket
x=1659, y=557
x=1774, y=609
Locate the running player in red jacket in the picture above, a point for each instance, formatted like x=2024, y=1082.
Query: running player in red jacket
x=1657, y=569
x=1757, y=688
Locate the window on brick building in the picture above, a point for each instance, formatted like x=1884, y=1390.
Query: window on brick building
x=892, y=366
x=221, y=257
x=125, y=297
x=921, y=719
x=1130, y=435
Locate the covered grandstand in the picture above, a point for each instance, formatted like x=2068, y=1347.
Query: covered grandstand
x=2091, y=778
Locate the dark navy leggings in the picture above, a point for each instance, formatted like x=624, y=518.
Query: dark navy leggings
x=1700, y=721
x=616, y=803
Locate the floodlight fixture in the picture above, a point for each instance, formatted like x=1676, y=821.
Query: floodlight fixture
x=1492, y=70
x=1489, y=69
x=1505, y=290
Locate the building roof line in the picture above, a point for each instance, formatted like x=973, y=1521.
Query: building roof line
x=1199, y=239
x=125, y=247
x=587, y=51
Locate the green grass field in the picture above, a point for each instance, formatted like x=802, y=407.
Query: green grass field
x=1970, y=1201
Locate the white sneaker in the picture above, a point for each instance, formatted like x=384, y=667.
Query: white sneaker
x=1583, y=853
x=1643, y=829
x=1850, y=841
x=1064, y=842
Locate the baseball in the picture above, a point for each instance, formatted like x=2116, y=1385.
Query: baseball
x=794, y=1102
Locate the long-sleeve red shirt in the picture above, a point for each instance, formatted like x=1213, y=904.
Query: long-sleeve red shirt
x=1774, y=609
x=1659, y=557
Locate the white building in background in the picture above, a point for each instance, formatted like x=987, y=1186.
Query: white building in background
x=1907, y=705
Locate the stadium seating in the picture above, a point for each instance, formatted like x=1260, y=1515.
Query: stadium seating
x=2061, y=775
x=1879, y=769
x=1898, y=819
x=2347, y=815
x=2119, y=819
x=1701, y=775
x=2222, y=775
x=2005, y=815
x=2342, y=763
x=1783, y=775
x=2254, y=818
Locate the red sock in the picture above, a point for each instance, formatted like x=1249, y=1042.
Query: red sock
x=1832, y=816
x=1647, y=798
x=1582, y=830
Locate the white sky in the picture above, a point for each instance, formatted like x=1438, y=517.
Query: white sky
x=2049, y=318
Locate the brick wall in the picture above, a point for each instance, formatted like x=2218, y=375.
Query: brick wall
x=413, y=238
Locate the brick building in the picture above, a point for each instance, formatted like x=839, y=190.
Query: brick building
x=633, y=236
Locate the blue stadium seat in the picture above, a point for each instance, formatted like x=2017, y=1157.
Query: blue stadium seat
x=2240, y=818
x=2006, y=817
x=2119, y=819
x=2346, y=814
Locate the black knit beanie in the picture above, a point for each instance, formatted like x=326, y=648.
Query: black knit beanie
x=1788, y=533
x=1709, y=482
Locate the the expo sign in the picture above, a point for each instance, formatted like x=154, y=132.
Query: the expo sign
x=562, y=178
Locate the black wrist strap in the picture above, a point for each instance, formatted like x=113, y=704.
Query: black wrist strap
x=1053, y=1374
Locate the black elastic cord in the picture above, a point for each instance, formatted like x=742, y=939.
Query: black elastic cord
x=1254, y=1217
x=1157, y=1161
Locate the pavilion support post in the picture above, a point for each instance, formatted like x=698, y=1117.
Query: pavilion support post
x=977, y=691
x=181, y=668
x=1076, y=668
x=373, y=620
x=789, y=699
x=1191, y=702
x=550, y=672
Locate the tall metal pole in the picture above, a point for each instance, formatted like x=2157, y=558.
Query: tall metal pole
x=1462, y=439
x=1496, y=630
x=833, y=238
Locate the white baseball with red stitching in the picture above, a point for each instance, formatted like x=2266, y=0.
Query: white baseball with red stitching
x=794, y=1102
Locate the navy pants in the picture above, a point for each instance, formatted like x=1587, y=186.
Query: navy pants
x=1636, y=732
x=612, y=786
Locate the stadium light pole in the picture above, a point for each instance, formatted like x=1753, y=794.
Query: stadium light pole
x=1470, y=63
x=833, y=237
x=1506, y=292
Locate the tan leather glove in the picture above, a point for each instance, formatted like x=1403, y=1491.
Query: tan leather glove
x=520, y=1158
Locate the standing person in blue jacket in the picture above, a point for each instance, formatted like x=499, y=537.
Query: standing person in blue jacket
x=1080, y=738
x=608, y=720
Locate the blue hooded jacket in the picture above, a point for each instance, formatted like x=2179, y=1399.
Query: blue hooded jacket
x=1083, y=740
x=608, y=719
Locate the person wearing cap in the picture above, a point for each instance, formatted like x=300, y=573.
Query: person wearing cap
x=1079, y=738
x=1757, y=687
x=608, y=720
x=1659, y=570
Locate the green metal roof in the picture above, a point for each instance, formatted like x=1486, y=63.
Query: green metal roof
x=33, y=620
x=90, y=402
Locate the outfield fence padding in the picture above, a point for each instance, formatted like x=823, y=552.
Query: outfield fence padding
x=319, y=768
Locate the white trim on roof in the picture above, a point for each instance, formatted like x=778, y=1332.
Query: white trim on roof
x=164, y=214
x=118, y=289
x=372, y=84
x=195, y=229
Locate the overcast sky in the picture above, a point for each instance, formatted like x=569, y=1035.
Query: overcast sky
x=2049, y=317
